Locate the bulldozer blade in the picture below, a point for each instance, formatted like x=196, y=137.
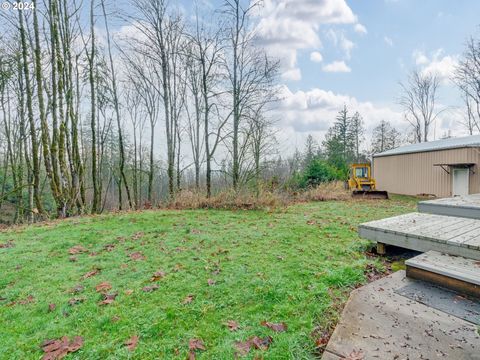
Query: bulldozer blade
x=370, y=194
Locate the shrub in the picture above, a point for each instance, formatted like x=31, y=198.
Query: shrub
x=320, y=171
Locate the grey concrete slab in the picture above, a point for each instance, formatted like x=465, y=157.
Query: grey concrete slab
x=329, y=356
x=455, y=267
x=442, y=299
x=467, y=206
x=385, y=325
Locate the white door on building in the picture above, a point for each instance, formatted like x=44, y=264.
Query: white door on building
x=460, y=182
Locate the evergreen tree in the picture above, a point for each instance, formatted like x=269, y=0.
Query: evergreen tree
x=339, y=143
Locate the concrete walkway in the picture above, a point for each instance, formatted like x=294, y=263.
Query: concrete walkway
x=378, y=323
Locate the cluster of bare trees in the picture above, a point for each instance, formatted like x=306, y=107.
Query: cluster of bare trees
x=93, y=118
x=420, y=93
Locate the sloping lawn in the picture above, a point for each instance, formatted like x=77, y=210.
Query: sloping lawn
x=293, y=266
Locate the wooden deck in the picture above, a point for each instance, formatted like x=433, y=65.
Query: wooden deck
x=467, y=206
x=424, y=232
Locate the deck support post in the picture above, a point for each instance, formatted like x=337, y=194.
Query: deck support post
x=381, y=248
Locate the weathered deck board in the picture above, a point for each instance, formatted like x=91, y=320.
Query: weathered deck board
x=425, y=232
x=451, y=266
x=467, y=206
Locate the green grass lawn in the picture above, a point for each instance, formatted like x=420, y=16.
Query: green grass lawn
x=294, y=265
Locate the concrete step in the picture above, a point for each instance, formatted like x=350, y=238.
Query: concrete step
x=453, y=272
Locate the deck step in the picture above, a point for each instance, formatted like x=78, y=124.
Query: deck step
x=467, y=206
x=452, y=272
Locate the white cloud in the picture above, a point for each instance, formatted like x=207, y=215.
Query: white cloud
x=388, y=41
x=314, y=111
x=437, y=63
x=359, y=28
x=292, y=75
x=287, y=26
x=339, y=39
x=337, y=66
x=315, y=56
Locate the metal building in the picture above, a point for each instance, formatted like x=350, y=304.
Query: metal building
x=442, y=168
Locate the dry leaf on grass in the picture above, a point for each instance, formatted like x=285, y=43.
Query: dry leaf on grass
x=138, y=235
x=57, y=349
x=211, y=282
x=76, y=289
x=77, y=249
x=275, y=327
x=51, y=307
x=150, y=288
x=76, y=301
x=109, y=247
x=103, y=287
x=158, y=276
x=232, y=325
x=131, y=343
x=188, y=299
x=196, y=344
x=137, y=256
x=28, y=300
x=91, y=273
x=256, y=342
x=108, y=299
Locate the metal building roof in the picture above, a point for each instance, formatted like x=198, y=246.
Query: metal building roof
x=444, y=144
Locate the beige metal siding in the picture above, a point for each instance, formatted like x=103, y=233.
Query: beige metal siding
x=413, y=174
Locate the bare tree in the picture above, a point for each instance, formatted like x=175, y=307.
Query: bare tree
x=467, y=78
x=419, y=96
x=250, y=74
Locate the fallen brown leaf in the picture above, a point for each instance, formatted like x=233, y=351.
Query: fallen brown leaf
x=128, y=292
x=108, y=298
x=109, y=247
x=103, y=287
x=28, y=300
x=196, y=344
x=131, y=343
x=211, y=282
x=137, y=256
x=232, y=325
x=57, y=349
x=91, y=273
x=188, y=299
x=77, y=249
x=244, y=347
x=275, y=327
x=158, y=276
x=177, y=267
x=150, y=288
x=77, y=289
x=138, y=235
x=76, y=301
x=261, y=343
x=8, y=244
x=51, y=307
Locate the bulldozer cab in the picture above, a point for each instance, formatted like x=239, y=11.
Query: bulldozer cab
x=362, y=184
x=361, y=171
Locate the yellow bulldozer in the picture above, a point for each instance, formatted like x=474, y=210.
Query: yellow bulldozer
x=362, y=184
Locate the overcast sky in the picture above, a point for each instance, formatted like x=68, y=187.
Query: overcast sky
x=356, y=52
